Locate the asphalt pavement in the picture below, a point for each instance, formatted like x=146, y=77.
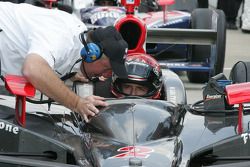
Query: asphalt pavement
x=237, y=48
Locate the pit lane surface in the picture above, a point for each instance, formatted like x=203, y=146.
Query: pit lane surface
x=237, y=48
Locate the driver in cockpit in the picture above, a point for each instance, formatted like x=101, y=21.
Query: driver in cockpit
x=144, y=78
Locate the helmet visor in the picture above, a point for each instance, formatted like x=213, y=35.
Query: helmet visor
x=138, y=71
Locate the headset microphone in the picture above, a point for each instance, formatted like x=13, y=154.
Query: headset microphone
x=91, y=51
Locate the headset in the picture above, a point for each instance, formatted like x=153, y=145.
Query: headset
x=91, y=51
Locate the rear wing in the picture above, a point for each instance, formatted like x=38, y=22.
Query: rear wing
x=181, y=36
x=21, y=88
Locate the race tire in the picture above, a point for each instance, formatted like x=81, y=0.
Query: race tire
x=203, y=19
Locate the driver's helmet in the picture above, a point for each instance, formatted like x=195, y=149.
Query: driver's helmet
x=105, y=2
x=142, y=69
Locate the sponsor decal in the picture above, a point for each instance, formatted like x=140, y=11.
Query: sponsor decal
x=172, y=94
x=213, y=97
x=170, y=22
x=134, y=151
x=93, y=57
x=176, y=64
x=245, y=137
x=9, y=128
x=155, y=70
x=100, y=15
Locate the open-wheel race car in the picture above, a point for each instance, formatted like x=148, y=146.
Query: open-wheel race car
x=129, y=132
x=192, y=41
x=186, y=39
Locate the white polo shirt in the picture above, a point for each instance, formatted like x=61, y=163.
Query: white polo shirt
x=52, y=34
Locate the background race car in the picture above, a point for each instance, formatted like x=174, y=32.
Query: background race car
x=182, y=38
x=179, y=39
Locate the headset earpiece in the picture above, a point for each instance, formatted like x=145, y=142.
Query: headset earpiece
x=91, y=51
x=91, y=54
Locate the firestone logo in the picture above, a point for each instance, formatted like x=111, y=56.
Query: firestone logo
x=245, y=137
x=9, y=128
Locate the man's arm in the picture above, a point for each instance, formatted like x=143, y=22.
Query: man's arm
x=39, y=73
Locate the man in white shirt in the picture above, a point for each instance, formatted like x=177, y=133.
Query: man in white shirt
x=41, y=44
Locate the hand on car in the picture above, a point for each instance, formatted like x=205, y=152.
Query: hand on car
x=86, y=107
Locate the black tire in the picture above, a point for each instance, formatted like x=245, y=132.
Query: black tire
x=203, y=19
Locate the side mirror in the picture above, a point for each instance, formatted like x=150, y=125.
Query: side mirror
x=165, y=2
x=238, y=94
x=21, y=88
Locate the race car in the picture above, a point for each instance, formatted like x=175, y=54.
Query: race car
x=181, y=40
x=129, y=132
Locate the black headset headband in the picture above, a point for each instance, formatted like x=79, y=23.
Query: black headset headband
x=82, y=39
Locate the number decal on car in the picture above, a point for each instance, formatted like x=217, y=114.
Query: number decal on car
x=134, y=151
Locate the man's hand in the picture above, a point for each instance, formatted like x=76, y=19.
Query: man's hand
x=38, y=72
x=102, y=78
x=87, y=106
x=79, y=77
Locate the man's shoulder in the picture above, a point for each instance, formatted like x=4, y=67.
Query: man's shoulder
x=5, y=6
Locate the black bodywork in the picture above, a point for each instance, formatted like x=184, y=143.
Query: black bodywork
x=129, y=132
